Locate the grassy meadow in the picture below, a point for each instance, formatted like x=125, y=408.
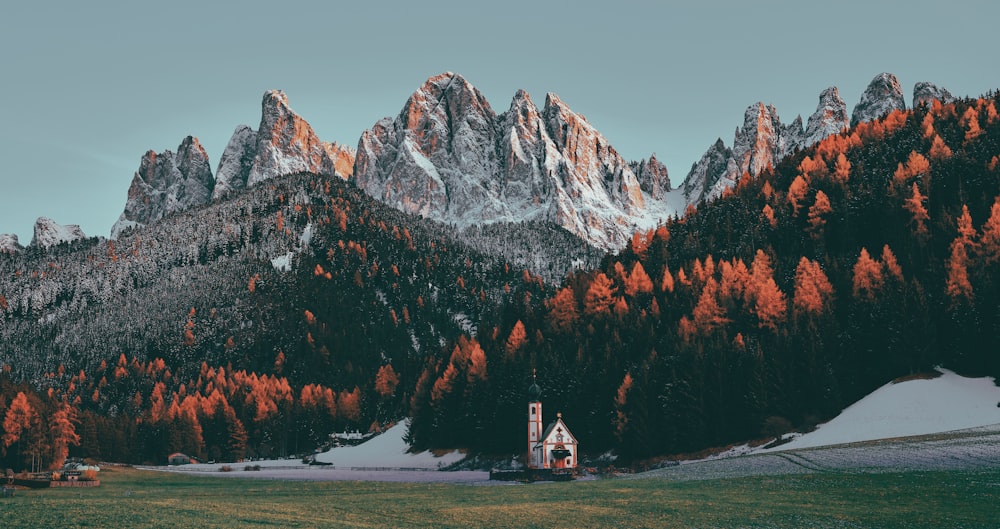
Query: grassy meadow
x=134, y=499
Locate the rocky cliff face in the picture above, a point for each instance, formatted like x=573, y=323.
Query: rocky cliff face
x=166, y=183
x=883, y=95
x=652, y=176
x=762, y=141
x=706, y=172
x=450, y=157
x=284, y=143
x=924, y=93
x=49, y=233
x=830, y=118
x=9, y=243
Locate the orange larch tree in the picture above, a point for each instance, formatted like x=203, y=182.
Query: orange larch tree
x=812, y=288
x=769, y=302
x=989, y=242
x=797, y=193
x=597, y=301
x=915, y=205
x=386, y=381
x=563, y=313
x=867, y=276
x=957, y=285
x=818, y=212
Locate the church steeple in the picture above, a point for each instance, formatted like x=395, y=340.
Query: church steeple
x=534, y=422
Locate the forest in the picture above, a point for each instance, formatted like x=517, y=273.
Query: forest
x=257, y=326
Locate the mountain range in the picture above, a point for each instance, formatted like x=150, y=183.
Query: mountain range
x=306, y=287
x=449, y=157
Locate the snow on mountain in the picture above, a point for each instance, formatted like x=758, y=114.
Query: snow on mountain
x=915, y=407
x=450, y=157
x=167, y=183
x=924, y=93
x=284, y=143
x=883, y=95
x=9, y=243
x=49, y=233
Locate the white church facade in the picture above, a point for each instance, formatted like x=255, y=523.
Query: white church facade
x=553, y=447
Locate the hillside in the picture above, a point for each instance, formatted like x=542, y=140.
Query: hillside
x=872, y=255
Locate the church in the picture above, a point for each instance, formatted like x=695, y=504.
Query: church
x=554, y=447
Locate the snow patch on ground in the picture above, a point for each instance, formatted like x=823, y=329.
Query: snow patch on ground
x=388, y=450
x=283, y=263
x=915, y=407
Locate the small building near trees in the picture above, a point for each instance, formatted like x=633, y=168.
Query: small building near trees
x=178, y=458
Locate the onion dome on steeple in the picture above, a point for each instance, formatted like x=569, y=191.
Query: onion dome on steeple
x=534, y=390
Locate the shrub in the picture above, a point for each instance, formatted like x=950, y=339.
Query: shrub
x=89, y=475
x=225, y=468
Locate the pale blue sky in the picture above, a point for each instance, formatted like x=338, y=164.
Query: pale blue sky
x=88, y=87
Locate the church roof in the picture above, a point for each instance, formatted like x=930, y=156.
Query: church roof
x=552, y=426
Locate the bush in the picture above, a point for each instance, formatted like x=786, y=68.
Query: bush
x=225, y=468
x=89, y=475
x=249, y=468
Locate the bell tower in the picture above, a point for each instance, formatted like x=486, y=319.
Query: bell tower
x=535, y=451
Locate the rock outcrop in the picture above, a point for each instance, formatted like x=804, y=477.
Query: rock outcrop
x=652, y=176
x=883, y=95
x=706, y=172
x=925, y=93
x=450, y=157
x=49, y=233
x=9, y=243
x=762, y=141
x=283, y=143
x=166, y=183
x=830, y=118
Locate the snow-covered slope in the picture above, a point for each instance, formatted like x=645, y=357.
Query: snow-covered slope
x=387, y=450
x=915, y=407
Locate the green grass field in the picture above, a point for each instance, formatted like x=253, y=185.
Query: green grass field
x=133, y=499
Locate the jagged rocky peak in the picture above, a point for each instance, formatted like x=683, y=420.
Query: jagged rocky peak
x=652, y=176
x=9, y=243
x=830, y=118
x=758, y=144
x=438, y=157
x=706, y=171
x=592, y=162
x=883, y=95
x=284, y=143
x=525, y=162
x=166, y=183
x=448, y=156
x=49, y=233
x=925, y=93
